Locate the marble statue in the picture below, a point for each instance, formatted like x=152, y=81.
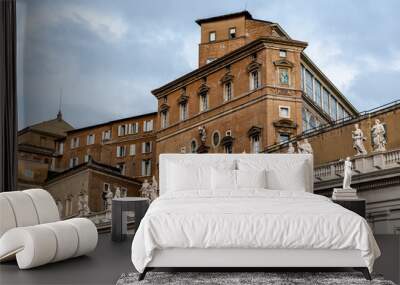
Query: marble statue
x=83, y=203
x=60, y=208
x=291, y=148
x=203, y=134
x=145, y=188
x=305, y=147
x=348, y=168
x=153, y=189
x=378, y=134
x=117, y=193
x=109, y=196
x=358, y=140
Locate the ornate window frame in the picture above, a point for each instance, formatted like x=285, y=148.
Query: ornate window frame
x=284, y=65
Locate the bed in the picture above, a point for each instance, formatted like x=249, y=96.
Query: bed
x=245, y=211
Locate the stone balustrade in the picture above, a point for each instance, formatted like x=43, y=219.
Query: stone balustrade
x=361, y=164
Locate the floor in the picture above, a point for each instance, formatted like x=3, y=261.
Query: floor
x=103, y=266
x=111, y=259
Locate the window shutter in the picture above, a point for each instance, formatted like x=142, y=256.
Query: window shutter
x=143, y=147
x=151, y=146
x=130, y=129
x=88, y=139
x=118, y=151
x=71, y=162
x=143, y=168
x=137, y=127
x=119, y=130
x=132, y=150
x=124, y=153
x=72, y=143
x=77, y=142
x=102, y=135
x=149, y=168
x=151, y=125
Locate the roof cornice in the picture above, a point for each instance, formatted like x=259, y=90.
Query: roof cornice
x=223, y=61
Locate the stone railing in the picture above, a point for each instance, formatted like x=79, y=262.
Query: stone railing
x=361, y=164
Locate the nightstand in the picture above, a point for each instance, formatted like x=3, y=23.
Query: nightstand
x=355, y=205
x=120, y=209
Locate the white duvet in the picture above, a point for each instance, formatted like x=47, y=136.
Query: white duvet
x=254, y=218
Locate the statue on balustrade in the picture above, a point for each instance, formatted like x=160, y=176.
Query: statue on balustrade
x=358, y=140
x=305, y=147
x=149, y=190
x=202, y=134
x=291, y=148
x=378, y=133
x=348, y=171
x=109, y=196
x=83, y=203
x=117, y=193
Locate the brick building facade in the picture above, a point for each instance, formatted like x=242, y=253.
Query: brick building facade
x=128, y=144
x=254, y=87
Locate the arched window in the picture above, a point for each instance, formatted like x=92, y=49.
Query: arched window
x=193, y=146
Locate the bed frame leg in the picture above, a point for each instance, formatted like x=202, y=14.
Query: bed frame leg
x=364, y=271
x=143, y=274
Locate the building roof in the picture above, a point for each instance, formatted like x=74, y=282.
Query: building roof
x=112, y=122
x=56, y=127
x=91, y=164
x=244, y=13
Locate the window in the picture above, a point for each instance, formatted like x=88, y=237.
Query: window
x=61, y=148
x=228, y=148
x=164, y=119
x=133, y=128
x=302, y=77
x=106, y=135
x=283, y=137
x=165, y=99
x=203, y=102
x=317, y=93
x=74, y=161
x=309, y=84
x=148, y=126
x=87, y=157
x=43, y=141
x=146, y=167
x=183, y=111
x=121, y=150
x=146, y=147
x=74, y=142
x=212, y=36
x=216, y=138
x=282, y=53
x=232, y=33
x=121, y=167
x=227, y=91
x=340, y=112
x=284, y=111
x=193, y=146
x=284, y=76
x=132, y=149
x=325, y=100
x=90, y=139
x=255, y=144
x=122, y=130
x=333, y=107
x=254, y=80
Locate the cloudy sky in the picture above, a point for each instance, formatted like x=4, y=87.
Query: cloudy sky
x=105, y=57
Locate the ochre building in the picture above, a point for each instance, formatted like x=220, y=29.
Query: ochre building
x=254, y=87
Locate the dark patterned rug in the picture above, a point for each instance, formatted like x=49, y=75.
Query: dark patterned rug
x=230, y=278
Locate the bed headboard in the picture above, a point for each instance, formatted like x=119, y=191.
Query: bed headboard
x=285, y=160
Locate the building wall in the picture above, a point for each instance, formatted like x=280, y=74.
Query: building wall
x=37, y=139
x=337, y=143
x=106, y=151
x=96, y=187
x=69, y=188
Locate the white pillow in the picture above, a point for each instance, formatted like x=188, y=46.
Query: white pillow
x=183, y=178
x=291, y=179
x=251, y=178
x=223, y=179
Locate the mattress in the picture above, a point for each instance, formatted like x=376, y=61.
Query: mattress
x=250, y=219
